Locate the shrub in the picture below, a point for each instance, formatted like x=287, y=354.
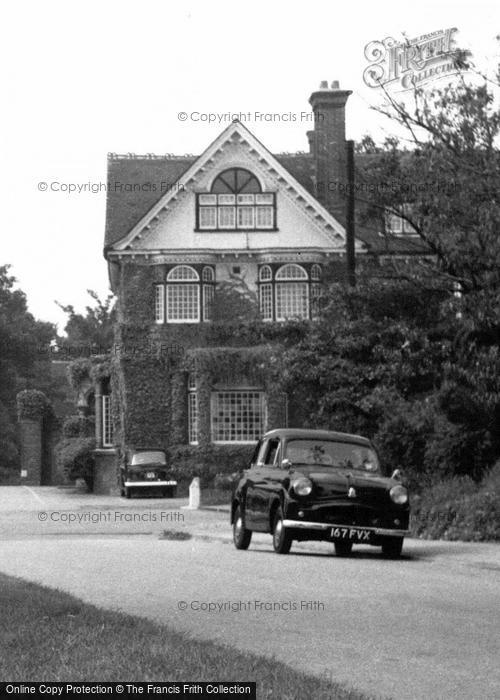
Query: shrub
x=459, y=509
x=32, y=404
x=457, y=450
x=9, y=455
x=402, y=438
x=75, y=457
x=208, y=462
x=226, y=482
x=78, y=426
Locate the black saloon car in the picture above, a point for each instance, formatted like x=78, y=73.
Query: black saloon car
x=146, y=470
x=319, y=485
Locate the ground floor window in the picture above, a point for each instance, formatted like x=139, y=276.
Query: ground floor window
x=237, y=416
x=192, y=411
x=107, y=422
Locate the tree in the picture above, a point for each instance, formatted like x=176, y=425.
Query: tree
x=446, y=184
x=24, y=360
x=92, y=330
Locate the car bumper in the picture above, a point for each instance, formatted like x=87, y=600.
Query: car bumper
x=308, y=525
x=149, y=484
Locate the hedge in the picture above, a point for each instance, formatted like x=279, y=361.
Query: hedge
x=459, y=509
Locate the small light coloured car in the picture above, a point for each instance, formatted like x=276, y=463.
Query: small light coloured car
x=146, y=470
x=320, y=485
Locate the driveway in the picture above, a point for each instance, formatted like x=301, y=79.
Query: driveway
x=422, y=627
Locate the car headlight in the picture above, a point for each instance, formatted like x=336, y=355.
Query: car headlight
x=399, y=495
x=302, y=487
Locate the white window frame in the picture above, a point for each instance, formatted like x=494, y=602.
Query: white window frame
x=208, y=300
x=291, y=279
x=219, y=402
x=175, y=288
x=266, y=301
x=265, y=274
x=192, y=411
x=399, y=226
x=159, y=303
x=107, y=421
x=183, y=278
x=290, y=288
x=316, y=272
x=316, y=294
x=291, y=272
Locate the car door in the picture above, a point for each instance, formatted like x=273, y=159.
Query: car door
x=253, y=477
x=266, y=484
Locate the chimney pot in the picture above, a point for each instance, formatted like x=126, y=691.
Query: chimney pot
x=335, y=85
x=323, y=85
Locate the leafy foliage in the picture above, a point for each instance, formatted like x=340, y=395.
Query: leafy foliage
x=460, y=509
x=24, y=363
x=398, y=372
x=75, y=458
x=94, y=330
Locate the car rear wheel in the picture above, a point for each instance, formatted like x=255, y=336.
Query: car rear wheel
x=342, y=548
x=392, y=547
x=282, y=540
x=128, y=492
x=241, y=536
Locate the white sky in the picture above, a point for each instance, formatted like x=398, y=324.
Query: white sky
x=81, y=79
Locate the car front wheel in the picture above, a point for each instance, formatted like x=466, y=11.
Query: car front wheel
x=343, y=548
x=128, y=492
x=282, y=540
x=241, y=536
x=392, y=547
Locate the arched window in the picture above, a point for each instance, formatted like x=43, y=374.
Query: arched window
x=236, y=201
x=183, y=273
x=291, y=292
x=291, y=272
x=208, y=274
x=265, y=273
x=183, y=295
x=187, y=296
x=316, y=272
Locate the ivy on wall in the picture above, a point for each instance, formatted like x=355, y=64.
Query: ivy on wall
x=97, y=367
x=150, y=364
x=32, y=405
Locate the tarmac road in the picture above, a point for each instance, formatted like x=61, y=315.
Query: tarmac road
x=426, y=626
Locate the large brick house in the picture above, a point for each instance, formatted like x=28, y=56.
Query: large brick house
x=180, y=228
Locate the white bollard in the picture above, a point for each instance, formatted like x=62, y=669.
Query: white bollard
x=194, y=494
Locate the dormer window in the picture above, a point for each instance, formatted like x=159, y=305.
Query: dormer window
x=236, y=202
x=397, y=225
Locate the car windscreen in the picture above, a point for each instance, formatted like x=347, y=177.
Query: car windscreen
x=139, y=458
x=330, y=453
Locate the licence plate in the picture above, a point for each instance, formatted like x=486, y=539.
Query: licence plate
x=150, y=475
x=351, y=533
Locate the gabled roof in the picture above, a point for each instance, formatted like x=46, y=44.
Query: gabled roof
x=140, y=186
x=126, y=206
x=236, y=132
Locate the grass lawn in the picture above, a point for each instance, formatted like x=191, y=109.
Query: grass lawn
x=48, y=635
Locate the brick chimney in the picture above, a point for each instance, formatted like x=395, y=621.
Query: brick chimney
x=328, y=145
